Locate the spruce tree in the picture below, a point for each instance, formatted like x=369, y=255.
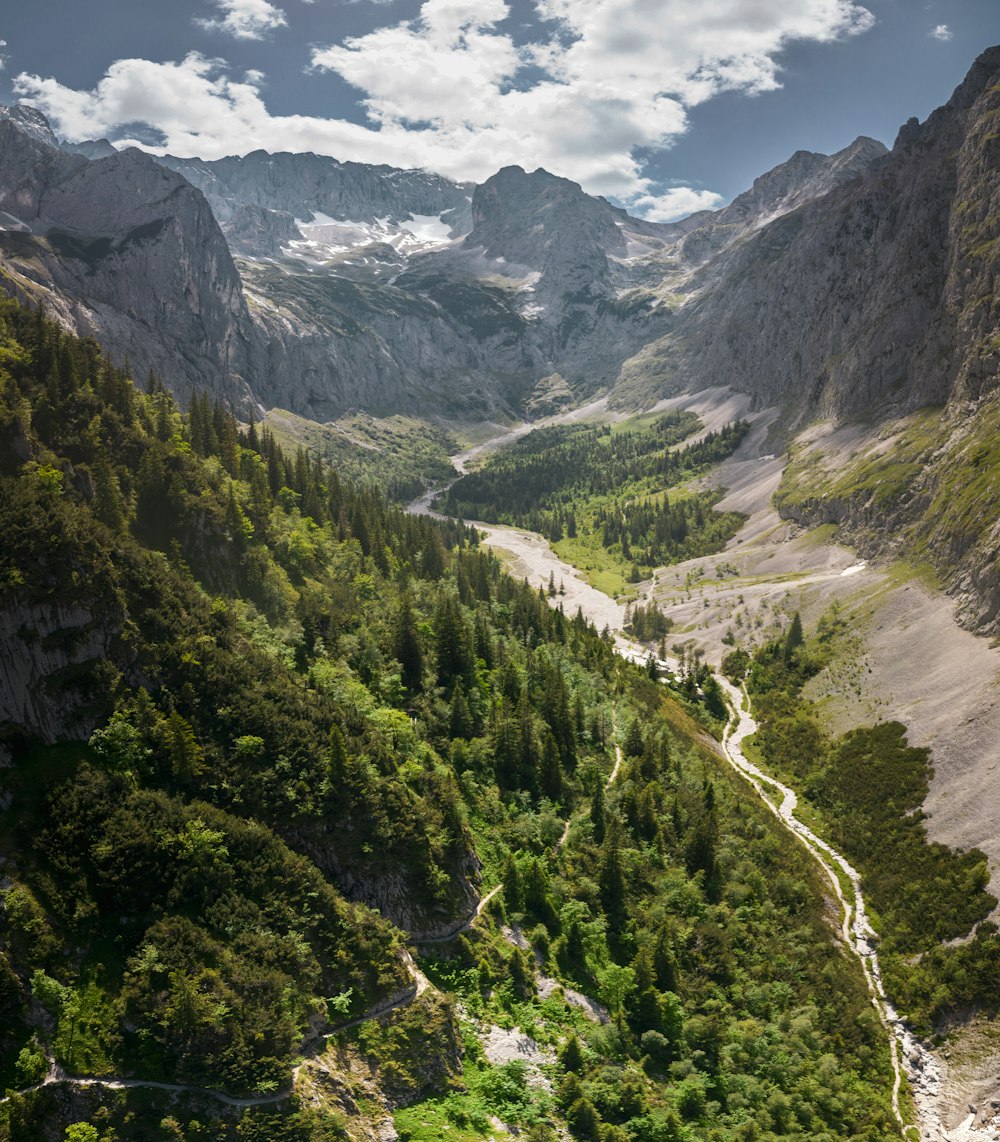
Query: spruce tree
x=407, y=647
x=597, y=810
x=550, y=777
x=611, y=878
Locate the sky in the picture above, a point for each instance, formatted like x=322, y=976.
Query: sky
x=663, y=106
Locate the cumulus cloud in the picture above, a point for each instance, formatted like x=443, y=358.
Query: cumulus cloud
x=941, y=32
x=601, y=83
x=677, y=202
x=245, y=19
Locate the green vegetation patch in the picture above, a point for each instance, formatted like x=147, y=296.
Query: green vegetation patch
x=934, y=477
x=866, y=789
x=611, y=500
x=400, y=455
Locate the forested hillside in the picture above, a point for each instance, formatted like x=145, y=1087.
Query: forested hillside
x=615, y=498
x=261, y=730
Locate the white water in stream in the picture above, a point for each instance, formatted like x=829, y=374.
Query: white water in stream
x=533, y=559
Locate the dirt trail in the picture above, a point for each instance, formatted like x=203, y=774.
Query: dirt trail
x=467, y=925
x=607, y=785
x=56, y=1076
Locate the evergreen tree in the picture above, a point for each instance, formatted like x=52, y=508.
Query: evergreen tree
x=522, y=976
x=406, y=647
x=452, y=641
x=634, y=743
x=794, y=638
x=597, y=810
x=611, y=878
x=550, y=777
x=461, y=721
x=512, y=892
x=108, y=504
x=571, y=1056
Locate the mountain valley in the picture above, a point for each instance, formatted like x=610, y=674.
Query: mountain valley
x=390, y=564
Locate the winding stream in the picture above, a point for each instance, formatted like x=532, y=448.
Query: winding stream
x=531, y=557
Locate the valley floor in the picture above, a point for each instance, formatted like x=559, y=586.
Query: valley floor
x=905, y=657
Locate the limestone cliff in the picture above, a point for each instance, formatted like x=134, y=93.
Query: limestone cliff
x=875, y=298
x=128, y=252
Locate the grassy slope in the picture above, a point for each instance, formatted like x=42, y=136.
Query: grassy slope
x=400, y=455
x=927, y=483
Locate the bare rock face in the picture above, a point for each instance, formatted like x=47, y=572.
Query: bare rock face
x=128, y=252
x=260, y=233
x=305, y=185
x=877, y=297
x=51, y=658
x=805, y=176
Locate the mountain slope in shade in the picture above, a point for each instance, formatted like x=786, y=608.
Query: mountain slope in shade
x=130, y=253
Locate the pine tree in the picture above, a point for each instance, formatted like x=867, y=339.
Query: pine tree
x=571, y=1056
x=597, y=811
x=611, y=878
x=634, y=744
x=109, y=504
x=461, y=721
x=794, y=638
x=512, y=891
x=407, y=647
x=522, y=977
x=452, y=641
x=584, y=1121
x=550, y=777
x=183, y=751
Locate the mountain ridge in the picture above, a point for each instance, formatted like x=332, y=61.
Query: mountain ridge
x=334, y=303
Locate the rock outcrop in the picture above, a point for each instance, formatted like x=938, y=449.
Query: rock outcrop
x=128, y=252
x=260, y=233
x=875, y=298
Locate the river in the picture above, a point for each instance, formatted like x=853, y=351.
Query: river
x=529, y=556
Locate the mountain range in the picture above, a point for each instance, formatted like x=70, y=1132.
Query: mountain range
x=298, y=281
x=855, y=285
x=320, y=286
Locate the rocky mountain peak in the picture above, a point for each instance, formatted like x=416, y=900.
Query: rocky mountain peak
x=803, y=177
x=547, y=223
x=90, y=148
x=127, y=251
x=30, y=121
